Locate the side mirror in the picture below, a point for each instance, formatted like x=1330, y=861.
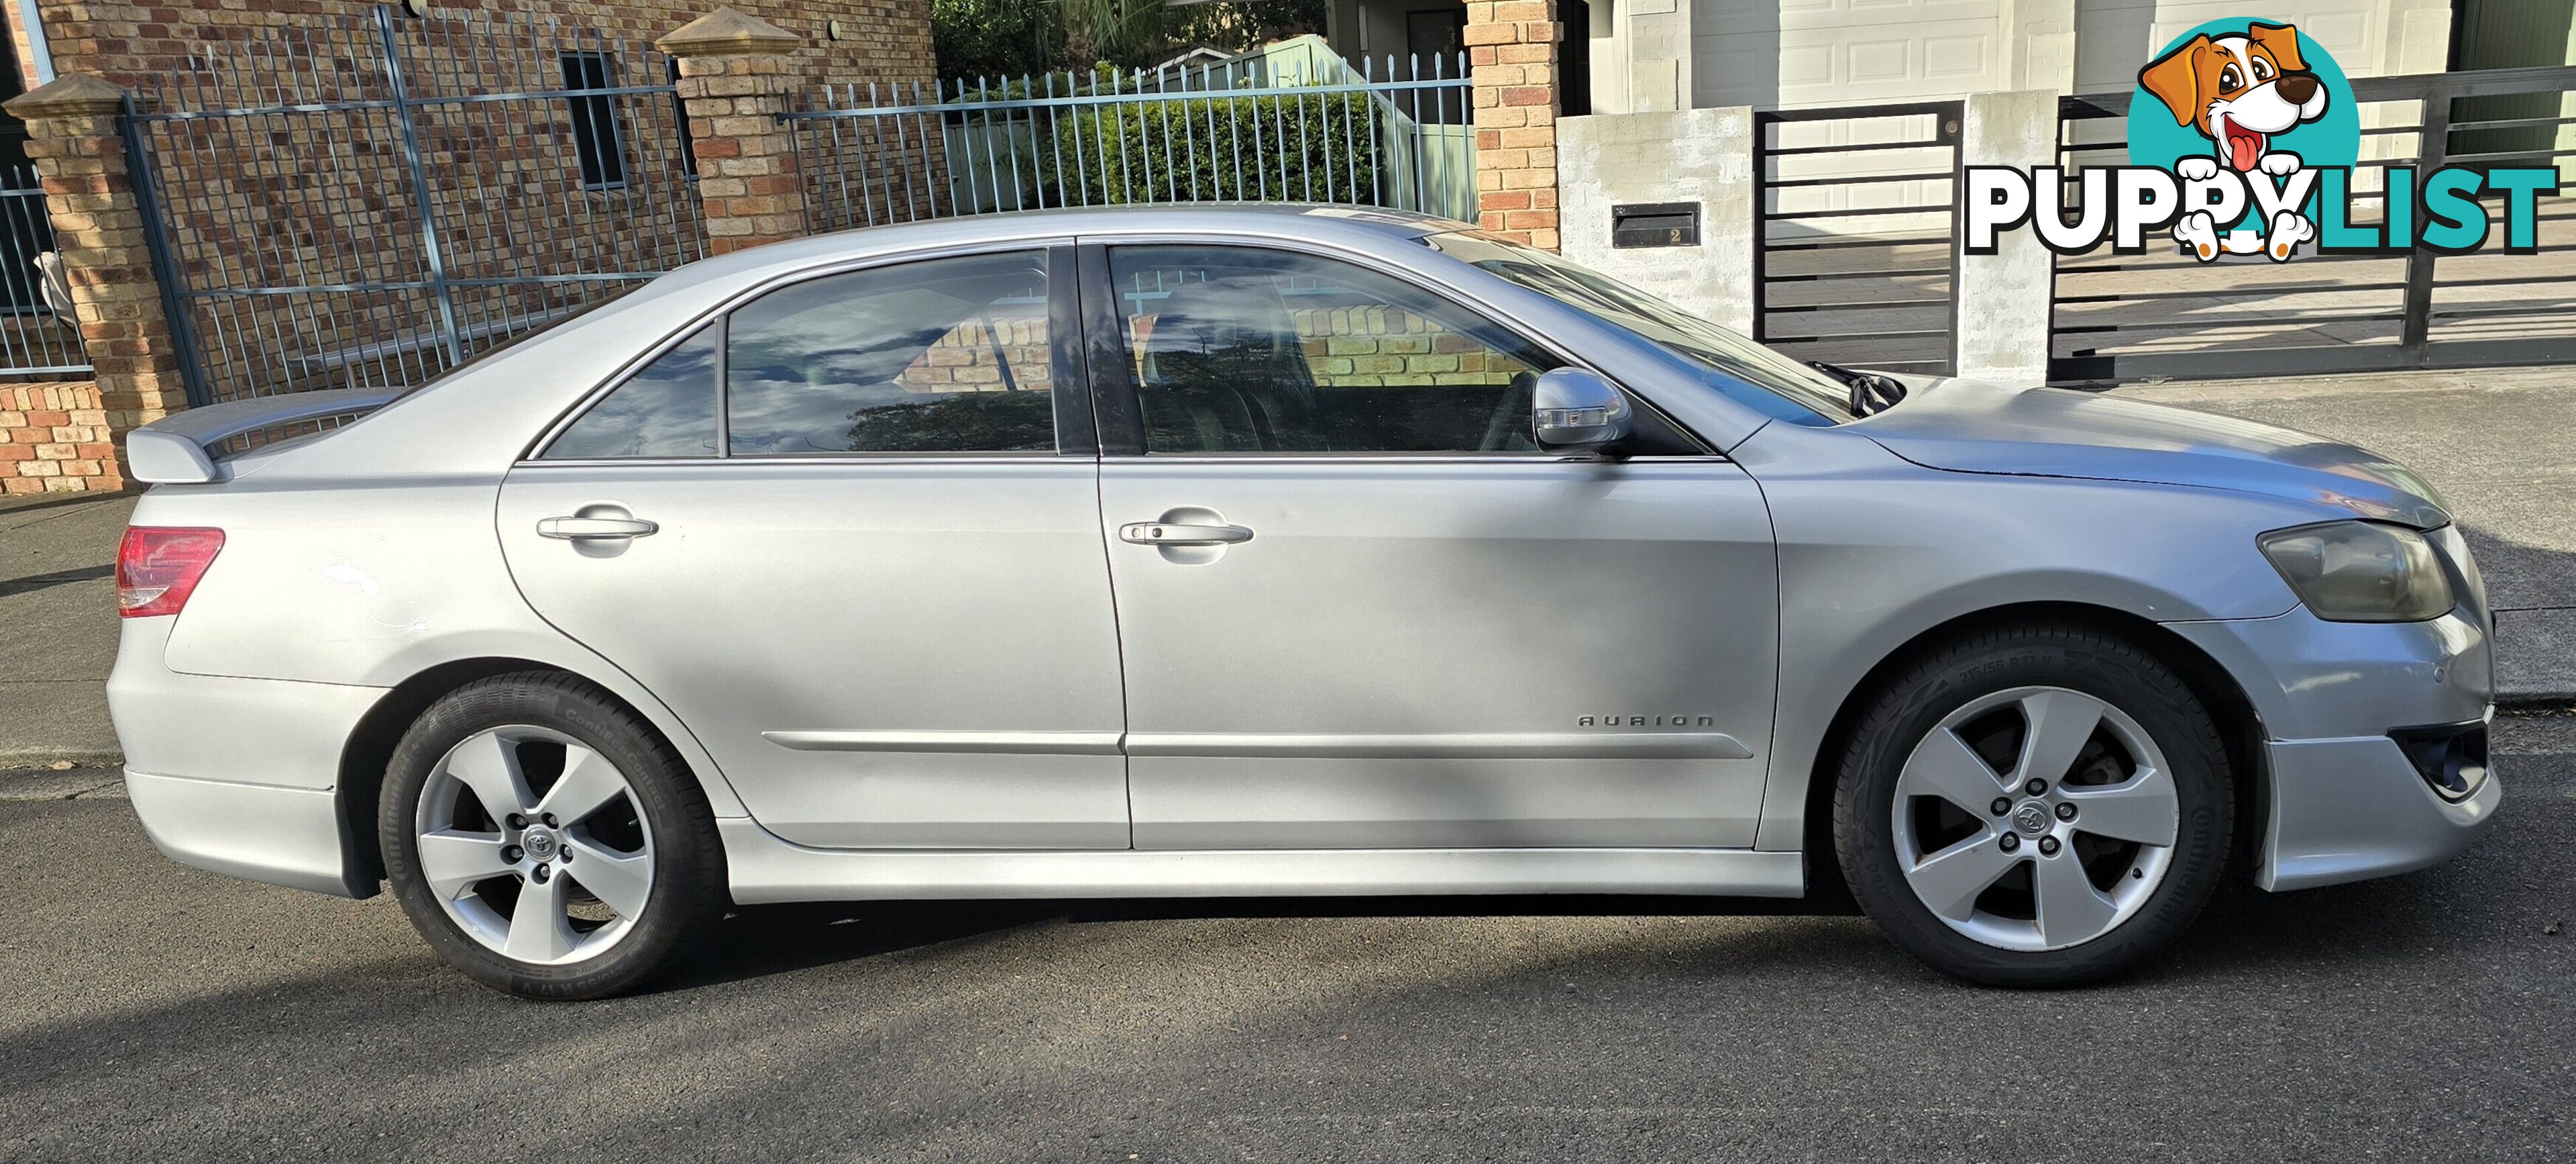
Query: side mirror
x=1575, y=410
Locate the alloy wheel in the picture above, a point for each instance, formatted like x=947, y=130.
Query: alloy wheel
x=535, y=845
x=2036, y=818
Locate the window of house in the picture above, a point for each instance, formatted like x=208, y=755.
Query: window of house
x=680, y=119
x=596, y=138
x=1248, y=350
x=944, y=355
x=666, y=409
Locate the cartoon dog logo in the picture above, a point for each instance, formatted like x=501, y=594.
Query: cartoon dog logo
x=2239, y=92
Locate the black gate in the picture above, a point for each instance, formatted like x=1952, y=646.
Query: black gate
x=1856, y=261
x=2166, y=314
x=369, y=199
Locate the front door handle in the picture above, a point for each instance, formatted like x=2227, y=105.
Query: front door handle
x=1160, y=533
x=593, y=528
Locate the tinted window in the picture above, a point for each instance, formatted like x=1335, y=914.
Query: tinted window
x=949, y=355
x=668, y=409
x=1243, y=350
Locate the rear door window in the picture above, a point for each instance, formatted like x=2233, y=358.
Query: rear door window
x=940, y=356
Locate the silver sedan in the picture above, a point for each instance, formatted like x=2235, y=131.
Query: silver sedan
x=1271, y=551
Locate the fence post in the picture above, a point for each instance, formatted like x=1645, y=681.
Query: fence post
x=1511, y=46
x=735, y=75
x=1703, y=158
x=2002, y=300
x=78, y=146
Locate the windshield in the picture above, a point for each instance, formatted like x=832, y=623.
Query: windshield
x=1763, y=379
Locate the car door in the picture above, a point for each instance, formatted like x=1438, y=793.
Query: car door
x=1359, y=607
x=849, y=531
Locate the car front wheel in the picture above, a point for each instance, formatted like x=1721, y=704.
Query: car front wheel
x=546, y=841
x=2045, y=806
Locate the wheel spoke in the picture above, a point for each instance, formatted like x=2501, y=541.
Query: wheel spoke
x=539, y=932
x=2060, y=723
x=2070, y=909
x=621, y=881
x=2142, y=808
x=489, y=765
x=1950, y=880
x=1943, y=765
x=454, y=862
x=589, y=780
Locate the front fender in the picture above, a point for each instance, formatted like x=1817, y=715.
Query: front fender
x=1876, y=551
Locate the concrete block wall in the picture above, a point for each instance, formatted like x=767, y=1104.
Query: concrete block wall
x=1703, y=157
x=1706, y=157
x=2003, y=313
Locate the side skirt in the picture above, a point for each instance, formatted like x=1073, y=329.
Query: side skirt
x=767, y=869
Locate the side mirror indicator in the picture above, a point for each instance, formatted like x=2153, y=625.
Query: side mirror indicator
x=1574, y=410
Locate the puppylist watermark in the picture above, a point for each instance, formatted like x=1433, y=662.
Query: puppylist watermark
x=2244, y=142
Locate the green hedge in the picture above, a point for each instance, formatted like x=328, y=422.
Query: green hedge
x=1296, y=149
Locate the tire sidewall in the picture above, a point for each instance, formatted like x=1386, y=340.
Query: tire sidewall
x=676, y=812
x=2110, y=670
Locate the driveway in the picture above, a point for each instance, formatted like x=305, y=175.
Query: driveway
x=151, y=1012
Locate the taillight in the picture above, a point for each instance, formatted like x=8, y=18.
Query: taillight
x=158, y=567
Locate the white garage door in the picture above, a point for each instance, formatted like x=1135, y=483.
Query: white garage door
x=1805, y=53
x=2114, y=37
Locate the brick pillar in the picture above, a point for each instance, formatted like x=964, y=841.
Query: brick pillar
x=79, y=153
x=1511, y=46
x=736, y=72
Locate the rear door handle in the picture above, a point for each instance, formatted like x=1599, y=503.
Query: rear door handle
x=1157, y=533
x=589, y=528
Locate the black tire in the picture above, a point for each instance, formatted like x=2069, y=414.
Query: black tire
x=1951, y=678
x=688, y=894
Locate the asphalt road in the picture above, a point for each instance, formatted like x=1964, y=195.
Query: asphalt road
x=150, y=1012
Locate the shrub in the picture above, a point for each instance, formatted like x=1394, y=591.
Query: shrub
x=1319, y=148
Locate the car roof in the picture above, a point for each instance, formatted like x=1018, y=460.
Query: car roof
x=1351, y=225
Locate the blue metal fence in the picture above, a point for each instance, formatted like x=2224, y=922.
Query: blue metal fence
x=369, y=199
x=1266, y=127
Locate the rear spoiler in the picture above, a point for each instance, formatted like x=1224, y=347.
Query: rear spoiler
x=183, y=447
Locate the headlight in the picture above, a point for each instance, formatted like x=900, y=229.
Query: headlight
x=2357, y=571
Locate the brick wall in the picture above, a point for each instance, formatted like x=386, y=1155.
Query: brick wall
x=1371, y=346
x=1511, y=49
x=1367, y=347
x=1344, y=346
x=54, y=438
x=963, y=360
x=140, y=43
x=291, y=199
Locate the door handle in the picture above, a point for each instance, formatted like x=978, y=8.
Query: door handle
x=1161, y=533
x=591, y=528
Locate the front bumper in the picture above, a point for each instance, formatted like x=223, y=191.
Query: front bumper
x=2345, y=803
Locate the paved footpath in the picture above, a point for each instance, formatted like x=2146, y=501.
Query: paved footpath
x=58, y=628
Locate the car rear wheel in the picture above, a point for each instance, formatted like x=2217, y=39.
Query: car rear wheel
x=2037, y=807
x=546, y=841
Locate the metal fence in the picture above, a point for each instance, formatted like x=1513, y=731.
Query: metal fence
x=34, y=340
x=2165, y=313
x=369, y=199
x=1856, y=262
x=1391, y=134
